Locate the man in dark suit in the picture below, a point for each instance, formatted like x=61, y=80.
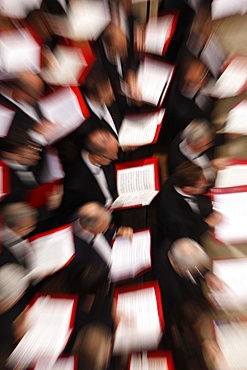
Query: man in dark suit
x=91, y=176
x=183, y=210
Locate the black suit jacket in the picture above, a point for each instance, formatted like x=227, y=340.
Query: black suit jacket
x=176, y=219
x=80, y=187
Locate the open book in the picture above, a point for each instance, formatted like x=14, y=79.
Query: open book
x=161, y=360
x=224, y=8
x=38, y=196
x=85, y=20
x=19, y=51
x=159, y=32
x=6, y=118
x=233, y=175
x=130, y=257
x=233, y=272
x=232, y=81
x=18, y=9
x=232, y=204
x=141, y=318
x=141, y=129
x=50, y=321
x=153, y=79
x=50, y=251
x=137, y=183
x=67, y=65
x=231, y=337
x=66, y=109
x=236, y=119
x=62, y=363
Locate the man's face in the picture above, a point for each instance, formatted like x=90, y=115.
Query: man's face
x=106, y=94
x=28, y=155
x=111, y=153
x=104, y=223
x=202, y=145
x=25, y=226
x=200, y=186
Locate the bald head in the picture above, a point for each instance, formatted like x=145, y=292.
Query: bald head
x=102, y=147
x=94, y=217
x=115, y=40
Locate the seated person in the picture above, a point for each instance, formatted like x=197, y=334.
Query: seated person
x=196, y=143
x=183, y=210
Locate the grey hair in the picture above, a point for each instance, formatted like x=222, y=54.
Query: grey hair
x=187, y=254
x=197, y=129
x=90, y=214
x=14, y=212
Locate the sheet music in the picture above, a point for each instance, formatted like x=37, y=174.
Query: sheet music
x=233, y=206
x=235, y=175
x=63, y=363
x=236, y=119
x=135, y=179
x=49, y=320
x=130, y=256
x=213, y=56
x=144, y=363
x=233, y=272
x=62, y=108
x=143, y=198
x=153, y=78
x=232, y=340
x=6, y=118
x=51, y=252
x=139, y=326
x=225, y=8
x=139, y=130
x=157, y=32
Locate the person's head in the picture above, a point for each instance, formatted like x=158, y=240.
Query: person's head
x=13, y=284
x=94, y=218
x=97, y=86
x=20, y=217
x=102, y=147
x=115, y=41
x=188, y=258
x=189, y=178
x=28, y=88
x=194, y=75
x=18, y=147
x=199, y=135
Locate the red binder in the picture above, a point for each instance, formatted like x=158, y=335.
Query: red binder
x=38, y=196
x=4, y=180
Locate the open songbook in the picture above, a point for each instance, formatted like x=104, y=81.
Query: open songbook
x=19, y=51
x=85, y=20
x=6, y=118
x=233, y=175
x=4, y=180
x=159, y=32
x=232, y=81
x=137, y=183
x=62, y=363
x=66, y=109
x=224, y=8
x=49, y=322
x=231, y=337
x=141, y=324
x=233, y=273
x=141, y=129
x=232, y=204
x=67, y=65
x=157, y=360
x=236, y=119
x=50, y=251
x=153, y=79
x=130, y=257
x=18, y=9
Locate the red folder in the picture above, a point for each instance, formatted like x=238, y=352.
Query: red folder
x=38, y=196
x=4, y=180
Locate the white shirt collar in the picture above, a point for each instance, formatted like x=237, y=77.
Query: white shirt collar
x=186, y=151
x=82, y=233
x=92, y=167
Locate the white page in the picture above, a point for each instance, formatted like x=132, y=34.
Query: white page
x=140, y=129
x=213, y=56
x=139, y=326
x=63, y=363
x=139, y=362
x=237, y=119
x=19, y=52
x=157, y=32
x=52, y=169
x=18, y=8
x=50, y=329
x=135, y=179
x=6, y=118
x=130, y=256
x=235, y=175
x=62, y=108
x=143, y=198
x=232, y=340
x=51, y=252
x=233, y=272
x=233, y=206
x=153, y=78
x=226, y=8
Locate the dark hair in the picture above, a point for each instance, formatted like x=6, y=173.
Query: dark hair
x=186, y=174
x=96, y=141
x=95, y=80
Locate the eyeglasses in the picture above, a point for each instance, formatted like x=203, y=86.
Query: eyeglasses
x=35, y=148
